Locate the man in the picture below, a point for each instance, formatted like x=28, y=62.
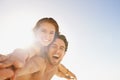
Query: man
x=44, y=68
x=44, y=28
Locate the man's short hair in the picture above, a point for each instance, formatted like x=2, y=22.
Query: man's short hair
x=62, y=37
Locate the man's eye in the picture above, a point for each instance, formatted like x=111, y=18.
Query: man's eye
x=62, y=48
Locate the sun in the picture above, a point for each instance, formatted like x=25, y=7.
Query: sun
x=15, y=31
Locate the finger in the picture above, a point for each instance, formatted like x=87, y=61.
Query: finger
x=6, y=73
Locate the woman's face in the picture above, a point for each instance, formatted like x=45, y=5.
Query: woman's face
x=45, y=33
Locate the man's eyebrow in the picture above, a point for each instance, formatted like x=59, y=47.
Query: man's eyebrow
x=63, y=47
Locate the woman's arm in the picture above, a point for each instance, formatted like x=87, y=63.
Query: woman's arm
x=31, y=66
x=65, y=73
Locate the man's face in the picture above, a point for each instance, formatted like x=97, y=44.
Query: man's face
x=56, y=51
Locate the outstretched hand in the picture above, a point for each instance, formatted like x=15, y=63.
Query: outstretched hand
x=10, y=61
x=8, y=66
x=6, y=73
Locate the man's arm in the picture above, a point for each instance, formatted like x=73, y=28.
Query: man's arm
x=65, y=73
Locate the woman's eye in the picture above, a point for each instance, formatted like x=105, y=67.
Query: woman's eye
x=43, y=31
x=52, y=32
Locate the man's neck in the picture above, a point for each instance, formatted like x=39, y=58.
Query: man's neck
x=50, y=67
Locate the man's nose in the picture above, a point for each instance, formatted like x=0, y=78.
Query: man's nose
x=58, y=51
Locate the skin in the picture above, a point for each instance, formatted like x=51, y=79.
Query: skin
x=45, y=34
x=6, y=72
x=49, y=65
x=56, y=52
x=33, y=69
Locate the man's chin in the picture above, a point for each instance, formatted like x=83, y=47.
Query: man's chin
x=55, y=63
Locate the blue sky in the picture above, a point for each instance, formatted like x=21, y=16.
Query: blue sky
x=91, y=26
